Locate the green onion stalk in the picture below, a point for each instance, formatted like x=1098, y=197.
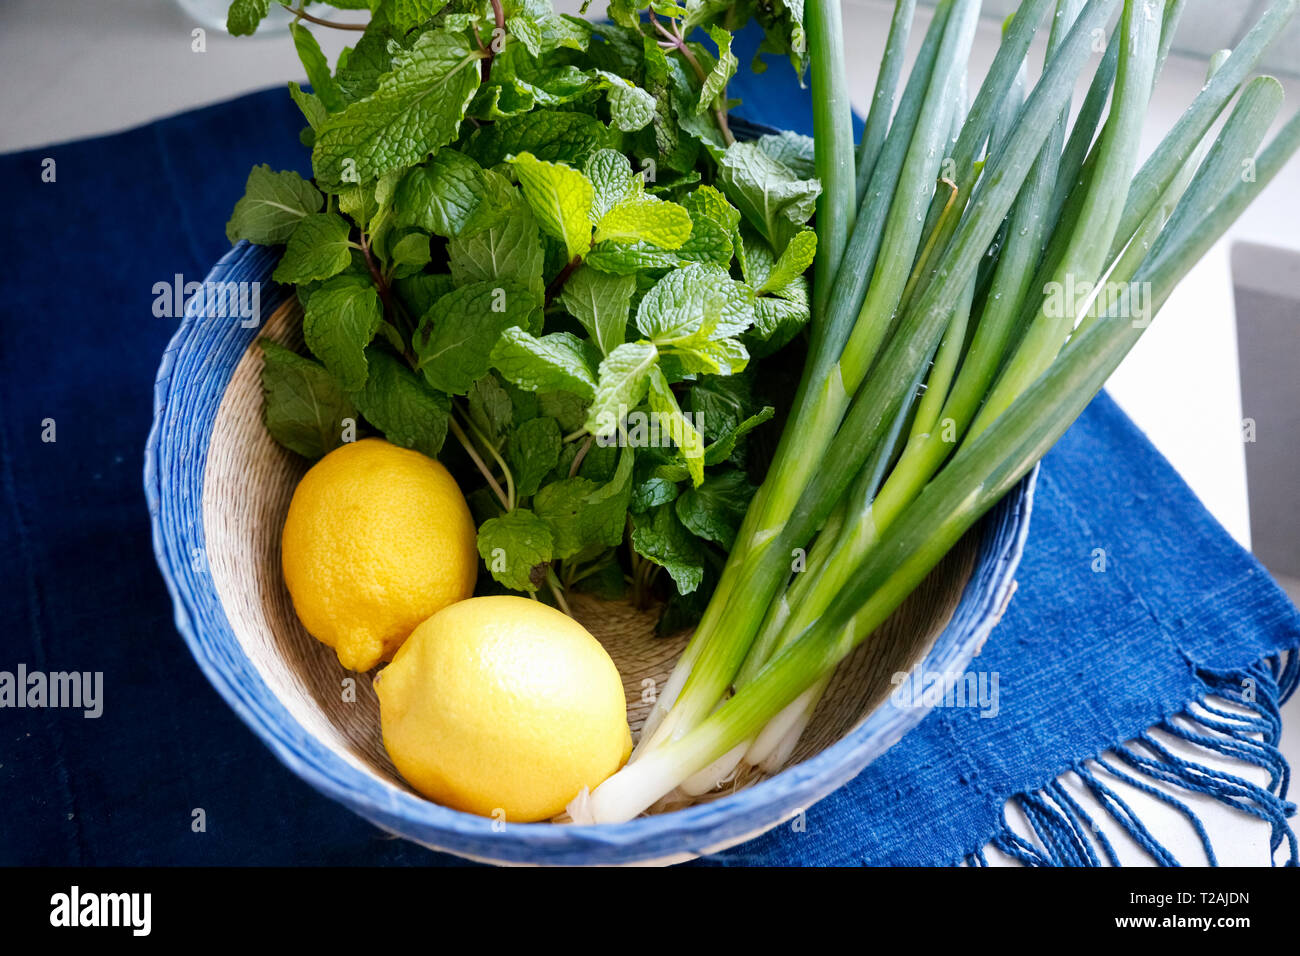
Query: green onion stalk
x=884, y=245
x=976, y=478
x=926, y=451
x=821, y=397
x=938, y=421
x=926, y=247
x=877, y=401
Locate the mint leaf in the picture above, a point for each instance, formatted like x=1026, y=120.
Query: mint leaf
x=551, y=135
x=610, y=176
x=313, y=60
x=599, y=463
x=422, y=290
x=303, y=407
x=561, y=198
x=630, y=107
x=793, y=149
x=401, y=405
x=778, y=319
x=455, y=338
x=563, y=506
x=708, y=202
x=769, y=194
x=534, y=452
x=341, y=318
x=359, y=203
x=411, y=251
x=408, y=14
x=651, y=492
x=684, y=94
x=721, y=403
x=684, y=434
x=313, y=110
x=674, y=182
x=382, y=228
x=709, y=243
x=490, y=408
x=566, y=408
x=659, y=536
x=715, y=84
x=546, y=33
x=515, y=547
x=443, y=196
x=694, y=302
x=645, y=219
x=272, y=206
x=414, y=109
x=715, y=509
x=793, y=262
x=502, y=101
x=509, y=249
x=675, y=150
x=524, y=404
x=555, y=362
x=720, y=450
x=628, y=259
x=713, y=224
x=360, y=68
x=620, y=386
x=712, y=356
x=546, y=86
x=582, y=514
x=608, y=505
x=317, y=249
x=756, y=257
x=245, y=15
x=601, y=303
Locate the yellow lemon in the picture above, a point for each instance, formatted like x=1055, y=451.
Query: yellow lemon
x=377, y=539
x=503, y=705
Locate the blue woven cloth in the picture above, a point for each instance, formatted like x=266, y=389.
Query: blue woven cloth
x=1085, y=659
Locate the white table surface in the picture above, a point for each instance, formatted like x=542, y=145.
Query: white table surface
x=72, y=69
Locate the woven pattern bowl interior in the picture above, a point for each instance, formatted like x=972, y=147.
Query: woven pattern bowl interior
x=219, y=487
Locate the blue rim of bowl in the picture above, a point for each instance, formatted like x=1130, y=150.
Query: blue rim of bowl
x=192, y=378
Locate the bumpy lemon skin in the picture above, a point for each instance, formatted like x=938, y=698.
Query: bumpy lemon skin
x=377, y=538
x=503, y=705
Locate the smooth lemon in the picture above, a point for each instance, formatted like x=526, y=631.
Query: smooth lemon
x=377, y=539
x=503, y=706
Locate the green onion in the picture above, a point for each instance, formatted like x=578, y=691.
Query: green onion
x=942, y=416
x=833, y=146
x=882, y=102
x=975, y=480
x=878, y=483
x=820, y=399
x=801, y=491
x=1099, y=219
x=912, y=197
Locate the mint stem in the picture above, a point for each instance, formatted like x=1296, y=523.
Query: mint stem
x=479, y=463
x=488, y=53
x=675, y=41
x=392, y=307
x=582, y=453
x=302, y=14
x=557, y=284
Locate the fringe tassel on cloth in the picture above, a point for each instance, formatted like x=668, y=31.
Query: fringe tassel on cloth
x=1066, y=834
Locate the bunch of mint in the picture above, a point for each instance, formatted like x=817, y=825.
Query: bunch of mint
x=534, y=249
